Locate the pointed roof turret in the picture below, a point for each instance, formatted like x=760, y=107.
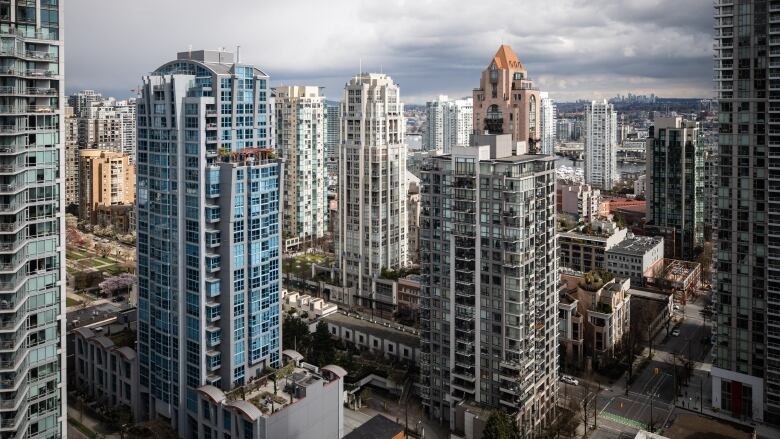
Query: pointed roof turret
x=506, y=58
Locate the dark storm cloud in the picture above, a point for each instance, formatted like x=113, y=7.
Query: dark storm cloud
x=573, y=48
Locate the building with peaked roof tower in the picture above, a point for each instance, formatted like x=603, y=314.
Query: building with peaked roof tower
x=507, y=102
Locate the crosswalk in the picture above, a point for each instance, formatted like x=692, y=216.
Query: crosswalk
x=623, y=420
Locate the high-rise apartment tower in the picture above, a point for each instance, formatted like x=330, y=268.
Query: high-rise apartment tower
x=549, y=125
x=449, y=123
x=746, y=366
x=209, y=237
x=489, y=266
x=300, y=139
x=372, y=230
x=675, y=184
x=32, y=224
x=601, y=145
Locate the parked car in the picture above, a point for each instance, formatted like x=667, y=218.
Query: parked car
x=570, y=380
x=676, y=307
x=118, y=299
x=675, y=332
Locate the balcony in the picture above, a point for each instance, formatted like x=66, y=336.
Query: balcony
x=26, y=109
x=212, y=287
x=13, y=129
x=212, y=191
x=212, y=239
x=28, y=91
x=212, y=263
x=213, y=360
x=213, y=312
x=32, y=73
x=11, y=31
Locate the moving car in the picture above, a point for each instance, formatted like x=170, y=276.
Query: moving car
x=570, y=380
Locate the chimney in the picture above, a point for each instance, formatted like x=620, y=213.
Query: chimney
x=238, y=54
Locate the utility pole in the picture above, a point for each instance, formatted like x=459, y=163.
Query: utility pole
x=652, y=427
x=674, y=367
x=650, y=339
x=701, y=394
x=595, y=405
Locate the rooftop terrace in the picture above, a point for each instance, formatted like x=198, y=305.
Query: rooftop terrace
x=276, y=390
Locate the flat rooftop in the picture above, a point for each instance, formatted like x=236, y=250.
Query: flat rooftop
x=378, y=427
x=675, y=270
x=397, y=333
x=638, y=245
x=695, y=426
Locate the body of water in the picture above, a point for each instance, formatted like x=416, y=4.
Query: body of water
x=622, y=167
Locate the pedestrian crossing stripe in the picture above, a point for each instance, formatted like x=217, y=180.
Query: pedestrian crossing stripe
x=623, y=420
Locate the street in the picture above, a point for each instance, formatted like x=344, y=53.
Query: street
x=648, y=403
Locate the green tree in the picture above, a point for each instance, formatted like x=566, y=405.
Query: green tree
x=295, y=334
x=323, y=351
x=500, y=426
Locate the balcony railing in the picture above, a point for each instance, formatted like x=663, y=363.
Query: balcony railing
x=27, y=72
x=13, y=129
x=38, y=91
x=37, y=35
x=21, y=109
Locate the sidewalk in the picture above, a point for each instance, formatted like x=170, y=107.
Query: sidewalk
x=90, y=422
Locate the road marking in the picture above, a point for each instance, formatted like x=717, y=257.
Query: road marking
x=607, y=405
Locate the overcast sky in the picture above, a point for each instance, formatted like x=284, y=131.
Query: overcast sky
x=571, y=48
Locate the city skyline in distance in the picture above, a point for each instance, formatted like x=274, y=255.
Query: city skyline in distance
x=577, y=51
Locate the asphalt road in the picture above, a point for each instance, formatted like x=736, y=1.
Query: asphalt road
x=650, y=397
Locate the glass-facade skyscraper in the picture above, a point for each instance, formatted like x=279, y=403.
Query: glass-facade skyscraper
x=746, y=367
x=208, y=232
x=300, y=140
x=675, y=184
x=32, y=203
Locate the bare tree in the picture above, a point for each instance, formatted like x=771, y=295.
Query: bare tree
x=584, y=405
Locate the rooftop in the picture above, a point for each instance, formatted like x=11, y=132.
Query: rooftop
x=694, y=426
x=674, y=271
x=506, y=58
x=637, y=245
x=378, y=427
x=272, y=392
x=397, y=333
x=594, y=230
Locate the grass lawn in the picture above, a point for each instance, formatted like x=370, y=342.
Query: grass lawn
x=71, y=302
x=113, y=269
x=301, y=265
x=75, y=255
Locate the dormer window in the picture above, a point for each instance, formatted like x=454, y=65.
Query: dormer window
x=518, y=76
